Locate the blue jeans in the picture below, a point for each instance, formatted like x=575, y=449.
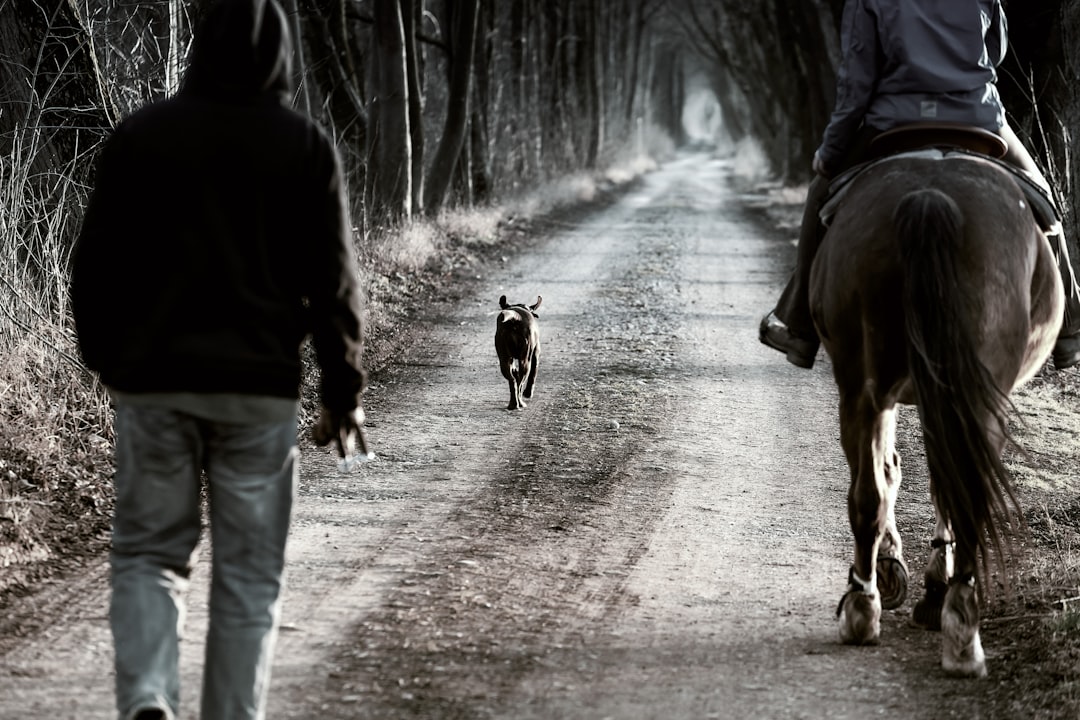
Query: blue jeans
x=251, y=471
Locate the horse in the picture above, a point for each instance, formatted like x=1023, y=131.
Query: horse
x=934, y=287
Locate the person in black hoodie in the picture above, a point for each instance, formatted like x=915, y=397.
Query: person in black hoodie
x=216, y=241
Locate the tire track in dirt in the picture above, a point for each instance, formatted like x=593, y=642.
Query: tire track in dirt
x=558, y=519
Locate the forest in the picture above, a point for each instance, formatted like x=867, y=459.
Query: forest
x=451, y=117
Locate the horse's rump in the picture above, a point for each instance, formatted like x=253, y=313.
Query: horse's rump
x=1006, y=267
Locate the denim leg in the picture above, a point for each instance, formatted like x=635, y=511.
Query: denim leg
x=156, y=528
x=793, y=307
x=252, y=472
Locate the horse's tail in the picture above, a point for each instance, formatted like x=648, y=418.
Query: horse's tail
x=961, y=406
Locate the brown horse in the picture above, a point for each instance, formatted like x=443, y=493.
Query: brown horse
x=934, y=286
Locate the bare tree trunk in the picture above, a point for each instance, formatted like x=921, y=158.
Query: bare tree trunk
x=633, y=65
x=615, y=66
x=175, y=52
x=389, y=179
x=599, y=70
x=588, y=80
x=332, y=74
x=519, y=85
x=549, y=81
x=808, y=83
x=566, y=99
x=411, y=11
x=479, y=155
x=536, y=85
x=463, y=35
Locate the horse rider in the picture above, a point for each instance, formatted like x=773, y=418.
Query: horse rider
x=903, y=62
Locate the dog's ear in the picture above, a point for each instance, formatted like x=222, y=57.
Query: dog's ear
x=502, y=302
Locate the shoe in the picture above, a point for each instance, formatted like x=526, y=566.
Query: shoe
x=774, y=333
x=1067, y=351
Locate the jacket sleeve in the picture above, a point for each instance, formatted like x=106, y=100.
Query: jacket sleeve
x=856, y=82
x=96, y=261
x=997, y=35
x=333, y=294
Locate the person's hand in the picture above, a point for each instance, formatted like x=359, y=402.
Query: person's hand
x=345, y=430
x=818, y=165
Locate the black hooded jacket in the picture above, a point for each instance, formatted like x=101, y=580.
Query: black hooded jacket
x=217, y=237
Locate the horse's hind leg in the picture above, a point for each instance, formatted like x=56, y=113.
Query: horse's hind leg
x=939, y=569
x=867, y=437
x=961, y=649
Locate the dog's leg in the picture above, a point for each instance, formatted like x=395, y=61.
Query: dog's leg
x=533, y=366
x=515, y=400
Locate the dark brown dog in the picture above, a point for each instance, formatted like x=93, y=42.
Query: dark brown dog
x=517, y=341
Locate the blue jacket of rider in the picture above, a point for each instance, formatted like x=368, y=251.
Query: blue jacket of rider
x=907, y=61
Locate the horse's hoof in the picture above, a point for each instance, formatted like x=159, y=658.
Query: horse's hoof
x=892, y=582
x=927, y=612
x=860, y=618
x=927, y=615
x=968, y=662
x=972, y=669
x=961, y=650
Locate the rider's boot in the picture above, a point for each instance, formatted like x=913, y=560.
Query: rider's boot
x=789, y=328
x=1066, y=351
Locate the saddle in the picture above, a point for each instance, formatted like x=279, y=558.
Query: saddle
x=917, y=136
x=936, y=141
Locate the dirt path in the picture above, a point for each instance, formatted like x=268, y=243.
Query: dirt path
x=661, y=534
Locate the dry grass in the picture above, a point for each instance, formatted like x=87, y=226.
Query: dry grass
x=54, y=421
x=1053, y=580
x=55, y=454
x=1049, y=587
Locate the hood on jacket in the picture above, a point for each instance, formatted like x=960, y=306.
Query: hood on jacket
x=242, y=51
